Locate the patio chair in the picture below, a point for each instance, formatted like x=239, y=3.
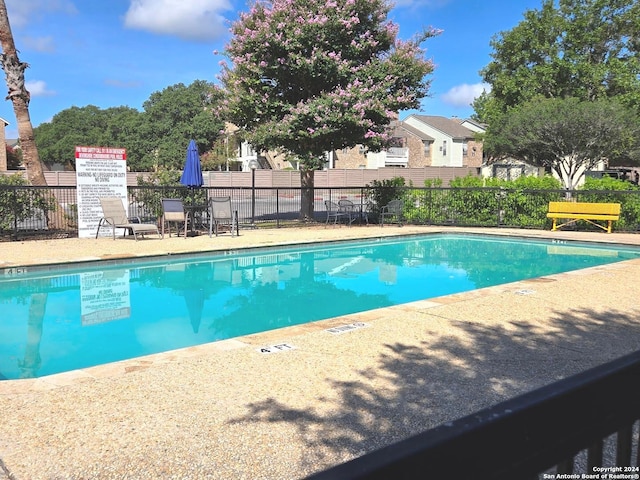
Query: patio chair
x=351, y=212
x=173, y=212
x=366, y=210
x=115, y=216
x=393, y=212
x=222, y=216
x=333, y=212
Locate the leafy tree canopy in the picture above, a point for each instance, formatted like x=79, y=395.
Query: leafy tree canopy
x=312, y=75
x=587, y=49
x=56, y=140
x=155, y=137
x=175, y=115
x=568, y=136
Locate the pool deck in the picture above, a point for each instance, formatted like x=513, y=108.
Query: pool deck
x=226, y=411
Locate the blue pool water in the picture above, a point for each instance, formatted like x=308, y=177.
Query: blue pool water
x=55, y=321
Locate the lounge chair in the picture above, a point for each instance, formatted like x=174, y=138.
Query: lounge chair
x=115, y=216
x=222, y=216
x=173, y=212
x=393, y=212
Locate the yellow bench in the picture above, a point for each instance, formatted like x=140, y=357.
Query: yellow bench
x=589, y=212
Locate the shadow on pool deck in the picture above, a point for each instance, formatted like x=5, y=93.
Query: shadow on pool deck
x=224, y=410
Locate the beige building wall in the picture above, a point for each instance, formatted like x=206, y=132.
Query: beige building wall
x=419, y=155
x=350, y=158
x=419, y=152
x=473, y=158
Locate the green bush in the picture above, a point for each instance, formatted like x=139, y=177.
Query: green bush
x=612, y=190
x=164, y=184
x=18, y=204
x=380, y=192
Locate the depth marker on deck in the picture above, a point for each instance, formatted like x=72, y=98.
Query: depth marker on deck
x=525, y=292
x=280, y=347
x=347, y=328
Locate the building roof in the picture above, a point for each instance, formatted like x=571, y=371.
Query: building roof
x=401, y=129
x=482, y=126
x=448, y=126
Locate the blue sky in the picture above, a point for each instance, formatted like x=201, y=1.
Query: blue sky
x=110, y=53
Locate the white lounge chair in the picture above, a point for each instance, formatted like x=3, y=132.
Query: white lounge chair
x=115, y=216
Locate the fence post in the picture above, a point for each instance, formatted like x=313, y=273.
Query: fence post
x=277, y=208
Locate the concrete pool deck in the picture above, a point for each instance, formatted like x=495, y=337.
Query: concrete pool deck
x=226, y=411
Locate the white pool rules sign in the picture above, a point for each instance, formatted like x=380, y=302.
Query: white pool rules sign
x=100, y=172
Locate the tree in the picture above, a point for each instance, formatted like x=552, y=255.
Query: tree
x=89, y=125
x=569, y=136
x=157, y=137
x=19, y=96
x=587, y=49
x=311, y=76
x=175, y=115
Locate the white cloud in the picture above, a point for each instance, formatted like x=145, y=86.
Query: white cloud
x=21, y=12
x=199, y=20
x=38, y=88
x=464, y=95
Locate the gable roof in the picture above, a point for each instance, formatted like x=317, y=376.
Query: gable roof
x=400, y=129
x=448, y=126
x=474, y=123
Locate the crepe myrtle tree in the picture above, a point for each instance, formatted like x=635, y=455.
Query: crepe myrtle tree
x=311, y=76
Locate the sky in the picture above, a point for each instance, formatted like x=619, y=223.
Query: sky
x=111, y=53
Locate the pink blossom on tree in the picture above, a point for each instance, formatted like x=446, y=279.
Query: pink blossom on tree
x=310, y=76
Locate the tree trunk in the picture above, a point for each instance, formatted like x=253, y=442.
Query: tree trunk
x=306, y=195
x=19, y=96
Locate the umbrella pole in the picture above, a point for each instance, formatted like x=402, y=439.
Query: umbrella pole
x=192, y=232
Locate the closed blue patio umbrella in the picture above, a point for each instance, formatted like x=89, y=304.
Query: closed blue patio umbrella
x=192, y=174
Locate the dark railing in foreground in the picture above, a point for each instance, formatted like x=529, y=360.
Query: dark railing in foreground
x=26, y=209
x=525, y=437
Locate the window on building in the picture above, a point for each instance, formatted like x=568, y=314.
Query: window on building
x=427, y=148
x=465, y=148
x=444, y=148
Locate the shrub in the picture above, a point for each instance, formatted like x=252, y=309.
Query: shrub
x=381, y=192
x=612, y=190
x=20, y=202
x=164, y=184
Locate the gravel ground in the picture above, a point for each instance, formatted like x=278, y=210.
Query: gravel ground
x=226, y=411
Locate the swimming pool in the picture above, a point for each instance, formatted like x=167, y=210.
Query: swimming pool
x=79, y=316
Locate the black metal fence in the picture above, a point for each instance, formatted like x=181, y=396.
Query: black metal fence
x=581, y=427
x=28, y=210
